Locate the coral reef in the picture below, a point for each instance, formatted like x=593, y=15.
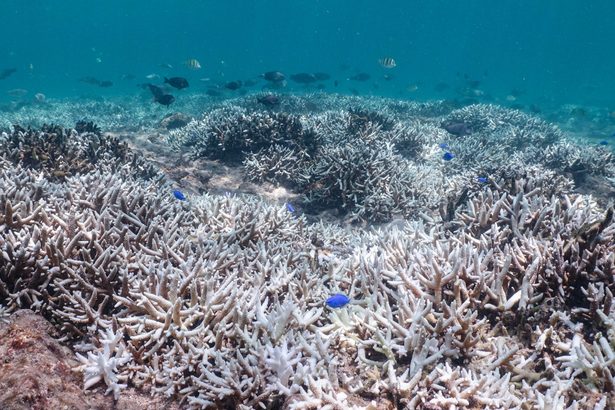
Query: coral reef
x=492, y=293
x=60, y=153
x=128, y=114
x=372, y=162
x=229, y=134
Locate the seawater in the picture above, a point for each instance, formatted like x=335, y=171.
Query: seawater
x=552, y=51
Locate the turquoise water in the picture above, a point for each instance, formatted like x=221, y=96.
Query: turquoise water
x=550, y=52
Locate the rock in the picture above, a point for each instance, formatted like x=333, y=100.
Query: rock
x=37, y=372
x=175, y=120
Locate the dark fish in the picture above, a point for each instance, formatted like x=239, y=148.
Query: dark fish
x=336, y=83
x=96, y=81
x=165, y=99
x=579, y=112
x=290, y=208
x=6, y=73
x=303, y=78
x=269, y=100
x=274, y=76
x=322, y=76
x=89, y=80
x=444, y=145
x=179, y=195
x=482, y=180
x=177, y=82
x=457, y=128
x=448, y=156
x=603, y=142
x=338, y=300
x=233, y=85
x=155, y=90
x=361, y=77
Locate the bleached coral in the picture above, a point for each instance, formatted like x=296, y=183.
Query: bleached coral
x=104, y=363
x=501, y=298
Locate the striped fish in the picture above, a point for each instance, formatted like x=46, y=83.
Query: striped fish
x=193, y=64
x=387, y=62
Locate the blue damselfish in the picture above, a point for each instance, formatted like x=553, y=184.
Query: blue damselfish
x=338, y=300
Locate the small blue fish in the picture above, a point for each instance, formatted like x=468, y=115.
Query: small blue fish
x=448, y=156
x=179, y=195
x=290, y=208
x=444, y=145
x=483, y=180
x=338, y=300
x=603, y=143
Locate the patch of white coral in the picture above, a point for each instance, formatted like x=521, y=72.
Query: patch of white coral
x=104, y=363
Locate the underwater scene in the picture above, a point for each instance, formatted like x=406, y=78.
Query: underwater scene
x=307, y=205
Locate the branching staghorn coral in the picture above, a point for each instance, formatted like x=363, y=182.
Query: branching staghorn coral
x=495, y=140
x=224, y=305
x=60, y=152
x=276, y=164
x=231, y=133
x=462, y=294
x=103, y=365
x=502, y=301
x=489, y=119
x=579, y=162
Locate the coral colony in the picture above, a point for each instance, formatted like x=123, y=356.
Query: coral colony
x=482, y=282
